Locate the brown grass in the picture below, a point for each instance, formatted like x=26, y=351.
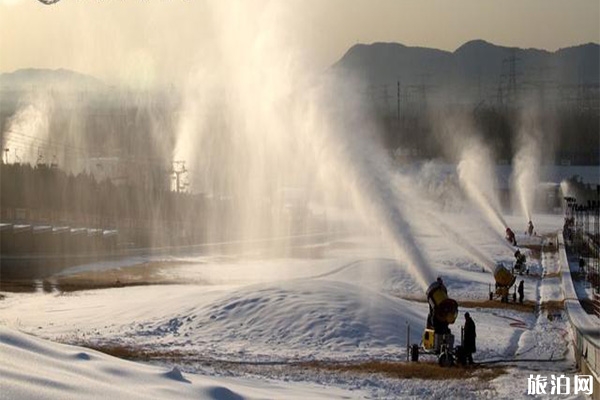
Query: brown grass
x=552, y=275
x=411, y=370
x=135, y=353
x=148, y=273
x=399, y=370
x=552, y=305
x=527, y=306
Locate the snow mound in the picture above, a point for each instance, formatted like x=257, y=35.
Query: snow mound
x=34, y=368
x=221, y=393
x=377, y=273
x=176, y=375
x=296, y=319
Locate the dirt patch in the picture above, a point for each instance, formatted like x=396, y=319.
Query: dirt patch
x=18, y=286
x=552, y=306
x=391, y=369
x=150, y=273
x=552, y=275
x=412, y=370
x=527, y=306
x=135, y=353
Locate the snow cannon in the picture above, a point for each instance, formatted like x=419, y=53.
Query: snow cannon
x=437, y=338
x=503, y=276
x=504, y=280
x=443, y=308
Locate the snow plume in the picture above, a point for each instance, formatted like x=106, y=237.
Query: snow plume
x=526, y=163
x=353, y=159
x=377, y=199
x=565, y=188
x=264, y=138
x=420, y=203
x=26, y=133
x=478, y=179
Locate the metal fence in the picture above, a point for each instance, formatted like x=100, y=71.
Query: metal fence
x=586, y=327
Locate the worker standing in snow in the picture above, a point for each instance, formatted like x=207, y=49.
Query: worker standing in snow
x=520, y=261
x=469, y=338
x=521, y=291
x=510, y=236
x=530, y=228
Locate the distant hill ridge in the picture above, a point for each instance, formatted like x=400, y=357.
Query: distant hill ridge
x=476, y=62
x=59, y=78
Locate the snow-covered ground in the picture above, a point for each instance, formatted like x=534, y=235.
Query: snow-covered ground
x=355, y=303
x=34, y=368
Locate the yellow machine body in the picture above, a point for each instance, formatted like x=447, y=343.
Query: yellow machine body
x=445, y=309
x=428, y=339
x=503, y=276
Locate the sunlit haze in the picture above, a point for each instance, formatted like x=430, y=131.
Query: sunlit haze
x=160, y=41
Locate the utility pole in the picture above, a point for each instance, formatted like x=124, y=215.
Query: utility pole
x=6, y=150
x=398, y=103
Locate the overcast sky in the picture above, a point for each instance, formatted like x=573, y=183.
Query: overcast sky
x=164, y=40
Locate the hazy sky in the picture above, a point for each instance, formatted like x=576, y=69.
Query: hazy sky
x=163, y=40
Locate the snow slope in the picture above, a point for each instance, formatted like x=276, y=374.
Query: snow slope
x=353, y=303
x=34, y=368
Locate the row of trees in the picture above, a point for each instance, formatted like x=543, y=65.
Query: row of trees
x=142, y=214
x=568, y=134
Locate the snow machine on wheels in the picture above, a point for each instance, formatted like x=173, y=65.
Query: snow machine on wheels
x=437, y=337
x=505, y=279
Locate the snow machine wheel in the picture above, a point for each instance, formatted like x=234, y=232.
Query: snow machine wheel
x=461, y=357
x=414, y=353
x=445, y=359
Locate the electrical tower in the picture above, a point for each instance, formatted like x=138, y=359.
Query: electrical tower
x=178, y=170
x=511, y=77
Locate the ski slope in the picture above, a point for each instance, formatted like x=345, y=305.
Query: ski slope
x=356, y=303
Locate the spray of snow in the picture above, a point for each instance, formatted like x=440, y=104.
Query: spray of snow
x=478, y=180
x=421, y=206
x=526, y=165
x=261, y=125
x=27, y=131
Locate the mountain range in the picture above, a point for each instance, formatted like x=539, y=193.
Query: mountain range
x=475, y=64
x=28, y=78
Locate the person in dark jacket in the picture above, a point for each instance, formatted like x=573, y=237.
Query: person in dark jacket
x=469, y=338
x=530, y=228
x=521, y=291
x=510, y=236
